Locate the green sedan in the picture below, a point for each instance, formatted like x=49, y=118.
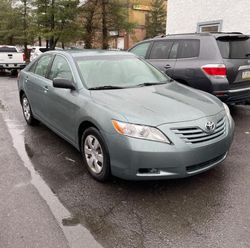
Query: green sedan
x=127, y=118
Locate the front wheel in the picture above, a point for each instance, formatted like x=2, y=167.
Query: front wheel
x=95, y=154
x=27, y=112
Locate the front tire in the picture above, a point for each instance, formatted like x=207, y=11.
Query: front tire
x=95, y=154
x=27, y=112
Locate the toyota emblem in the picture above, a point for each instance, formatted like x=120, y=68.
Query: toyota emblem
x=210, y=126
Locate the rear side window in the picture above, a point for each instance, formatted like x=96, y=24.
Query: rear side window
x=234, y=48
x=8, y=50
x=189, y=49
x=161, y=49
x=141, y=49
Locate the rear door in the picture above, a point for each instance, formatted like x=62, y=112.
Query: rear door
x=186, y=63
x=35, y=85
x=235, y=51
x=163, y=55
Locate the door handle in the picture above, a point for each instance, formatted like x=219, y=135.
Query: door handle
x=167, y=66
x=45, y=89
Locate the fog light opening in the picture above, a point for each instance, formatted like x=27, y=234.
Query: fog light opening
x=149, y=171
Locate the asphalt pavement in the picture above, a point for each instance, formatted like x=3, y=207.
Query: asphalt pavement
x=47, y=198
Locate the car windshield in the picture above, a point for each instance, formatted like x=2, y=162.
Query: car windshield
x=234, y=47
x=118, y=71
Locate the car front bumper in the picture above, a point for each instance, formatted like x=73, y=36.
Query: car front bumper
x=136, y=159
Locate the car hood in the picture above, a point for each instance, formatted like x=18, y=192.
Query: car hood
x=157, y=105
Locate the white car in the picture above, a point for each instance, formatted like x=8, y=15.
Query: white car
x=36, y=51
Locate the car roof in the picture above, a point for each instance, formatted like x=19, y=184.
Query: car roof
x=192, y=35
x=91, y=52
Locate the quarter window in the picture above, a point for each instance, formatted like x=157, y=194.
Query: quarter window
x=60, y=69
x=161, y=49
x=141, y=50
x=42, y=65
x=189, y=49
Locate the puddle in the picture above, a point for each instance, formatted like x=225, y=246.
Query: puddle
x=77, y=235
x=71, y=221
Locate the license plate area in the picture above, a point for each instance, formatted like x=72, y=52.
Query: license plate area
x=245, y=75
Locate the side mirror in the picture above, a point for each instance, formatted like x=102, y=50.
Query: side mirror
x=63, y=83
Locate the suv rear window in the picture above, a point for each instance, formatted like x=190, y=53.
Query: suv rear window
x=43, y=50
x=8, y=50
x=234, y=47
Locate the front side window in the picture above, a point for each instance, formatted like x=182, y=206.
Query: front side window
x=120, y=71
x=141, y=50
x=60, y=69
x=42, y=65
x=161, y=50
x=189, y=49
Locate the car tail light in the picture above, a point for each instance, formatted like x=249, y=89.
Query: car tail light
x=24, y=57
x=215, y=70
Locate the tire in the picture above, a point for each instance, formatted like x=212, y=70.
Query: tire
x=95, y=154
x=27, y=112
x=14, y=73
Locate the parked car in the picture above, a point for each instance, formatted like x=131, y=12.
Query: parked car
x=218, y=63
x=126, y=117
x=37, y=50
x=11, y=59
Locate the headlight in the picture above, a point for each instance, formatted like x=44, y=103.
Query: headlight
x=227, y=110
x=140, y=131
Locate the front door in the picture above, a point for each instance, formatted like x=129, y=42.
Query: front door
x=61, y=104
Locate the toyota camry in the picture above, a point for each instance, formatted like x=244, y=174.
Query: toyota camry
x=127, y=118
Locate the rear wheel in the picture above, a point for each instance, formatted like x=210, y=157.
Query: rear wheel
x=95, y=154
x=27, y=112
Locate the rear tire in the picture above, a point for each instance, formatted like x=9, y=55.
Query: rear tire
x=95, y=154
x=27, y=112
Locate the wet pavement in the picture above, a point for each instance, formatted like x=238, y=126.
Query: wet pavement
x=208, y=210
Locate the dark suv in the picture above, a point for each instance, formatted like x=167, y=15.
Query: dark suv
x=218, y=63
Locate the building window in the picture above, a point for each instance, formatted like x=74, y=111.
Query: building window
x=211, y=26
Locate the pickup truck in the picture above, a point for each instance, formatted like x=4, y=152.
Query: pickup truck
x=11, y=59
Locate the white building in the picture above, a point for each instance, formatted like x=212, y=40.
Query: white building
x=188, y=16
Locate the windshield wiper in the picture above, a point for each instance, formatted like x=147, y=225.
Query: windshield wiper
x=150, y=84
x=106, y=87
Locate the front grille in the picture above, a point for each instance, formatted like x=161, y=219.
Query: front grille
x=194, y=135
